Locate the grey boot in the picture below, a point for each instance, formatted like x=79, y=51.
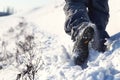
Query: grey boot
x=84, y=36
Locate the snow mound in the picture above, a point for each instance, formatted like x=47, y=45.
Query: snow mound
x=25, y=44
x=35, y=47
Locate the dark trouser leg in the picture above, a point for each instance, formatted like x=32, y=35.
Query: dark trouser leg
x=99, y=14
x=76, y=13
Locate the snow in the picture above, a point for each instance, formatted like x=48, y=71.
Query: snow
x=36, y=38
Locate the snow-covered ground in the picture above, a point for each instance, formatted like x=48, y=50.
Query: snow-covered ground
x=34, y=43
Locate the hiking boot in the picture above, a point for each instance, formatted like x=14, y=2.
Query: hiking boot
x=80, y=48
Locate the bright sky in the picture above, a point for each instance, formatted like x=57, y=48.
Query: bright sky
x=22, y=4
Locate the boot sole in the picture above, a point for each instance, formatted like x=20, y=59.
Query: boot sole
x=85, y=38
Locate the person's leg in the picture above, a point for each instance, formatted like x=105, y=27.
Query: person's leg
x=76, y=13
x=99, y=15
x=79, y=26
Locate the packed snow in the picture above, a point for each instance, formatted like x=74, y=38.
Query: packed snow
x=34, y=46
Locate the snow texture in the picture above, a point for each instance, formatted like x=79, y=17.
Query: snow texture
x=34, y=46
